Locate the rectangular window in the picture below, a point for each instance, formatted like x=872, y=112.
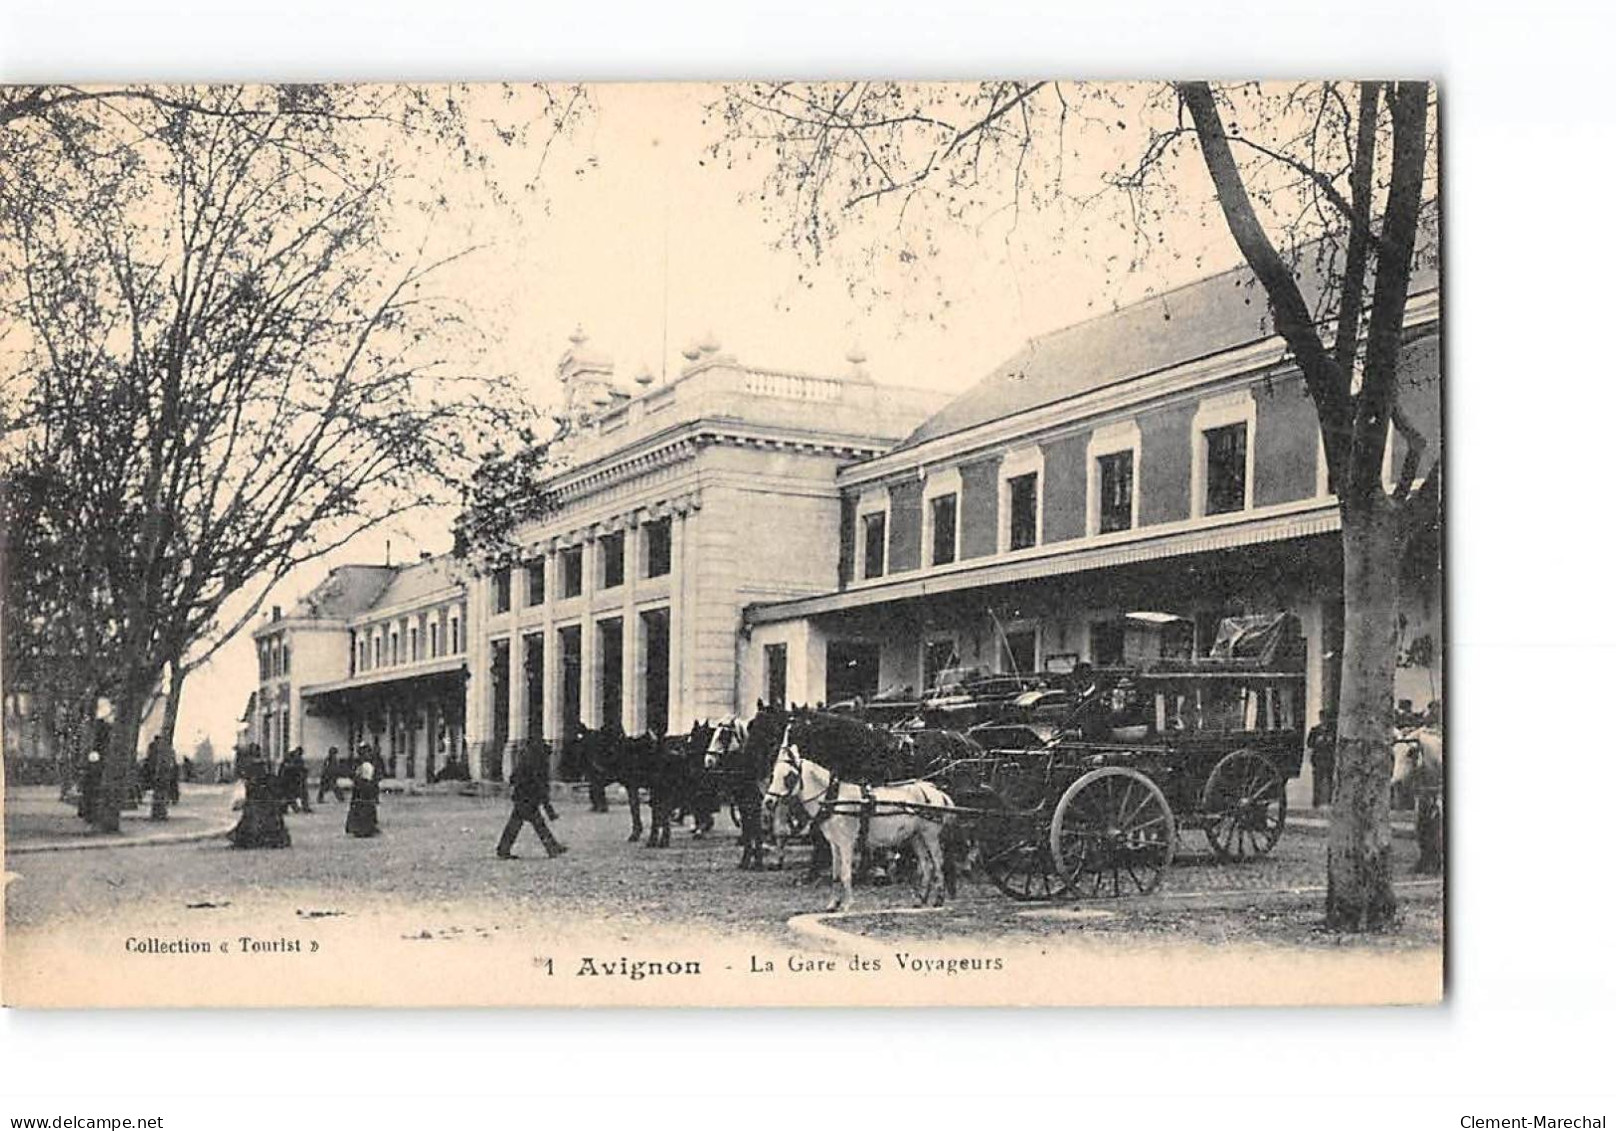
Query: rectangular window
x=502, y=590
x=432, y=639
x=1225, y=468
x=774, y=656
x=1116, y=491
x=611, y=560
x=659, y=547
x=454, y=635
x=572, y=572
x=1023, y=511
x=875, y=544
x=415, y=644
x=1018, y=651
x=393, y=647
x=940, y=658
x=535, y=582
x=944, y=528
x=1105, y=642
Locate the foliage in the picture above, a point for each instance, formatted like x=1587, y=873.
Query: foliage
x=506, y=492
x=234, y=353
x=1329, y=192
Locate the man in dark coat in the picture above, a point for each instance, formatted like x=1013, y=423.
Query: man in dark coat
x=1321, y=745
x=530, y=798
x=330, y=772
x=89, y=786
x=294, y=778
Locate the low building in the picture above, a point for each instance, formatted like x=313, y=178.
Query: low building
x=1164, y=459
x=374, y=656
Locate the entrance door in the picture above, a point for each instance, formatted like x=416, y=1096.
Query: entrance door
x=654, y=631
x=572, y=655
x=852, y=668
x=610, y=640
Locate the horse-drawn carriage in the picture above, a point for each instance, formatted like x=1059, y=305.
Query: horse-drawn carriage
x=1202, y=743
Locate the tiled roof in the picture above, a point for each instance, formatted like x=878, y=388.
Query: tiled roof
x=416, y=580
x=1202, y=318
x=346, y=591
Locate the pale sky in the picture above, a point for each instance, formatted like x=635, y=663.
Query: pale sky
x=648, y=250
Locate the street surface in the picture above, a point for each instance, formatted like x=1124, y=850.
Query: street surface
x=430, y=893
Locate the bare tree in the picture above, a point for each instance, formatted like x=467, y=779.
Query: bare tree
x=1335, y=182
x=226, y=266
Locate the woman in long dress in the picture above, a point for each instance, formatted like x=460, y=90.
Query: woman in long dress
x=362, y=818
x=263, y=823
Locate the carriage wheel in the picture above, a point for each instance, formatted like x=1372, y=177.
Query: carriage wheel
x=1011, y=850
x=1243, y=805
x=1112, y=834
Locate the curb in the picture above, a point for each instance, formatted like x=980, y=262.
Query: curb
x=814, y=926
x=152, y=840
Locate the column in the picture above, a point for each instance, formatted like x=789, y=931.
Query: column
x=552, y=649
x=516, y=705
x=679, y=717
x=479, y=661
x=588, y=661
x=633, y=678
x=689, y=567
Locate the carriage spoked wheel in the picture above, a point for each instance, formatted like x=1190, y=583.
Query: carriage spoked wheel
x=1243, y=806
x=1011, y=848
x=1112, y=835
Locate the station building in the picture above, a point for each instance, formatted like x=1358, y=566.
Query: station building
x=738, y=534
x=1164, y=458
x=675, y=506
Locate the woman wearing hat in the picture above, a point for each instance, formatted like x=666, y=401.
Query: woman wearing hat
x=362, y=815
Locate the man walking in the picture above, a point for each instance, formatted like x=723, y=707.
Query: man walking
x=530, y=798
x=330, y=771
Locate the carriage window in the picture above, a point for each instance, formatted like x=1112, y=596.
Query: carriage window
x=1116, y=491
x=944, y=527
x=1225, y=468
x=1023, y=511
x=875, y=544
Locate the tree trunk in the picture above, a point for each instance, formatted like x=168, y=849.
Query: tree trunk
x=1359, y=894
x=163, y=750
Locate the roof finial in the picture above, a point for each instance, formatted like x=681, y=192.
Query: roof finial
x=578, y=337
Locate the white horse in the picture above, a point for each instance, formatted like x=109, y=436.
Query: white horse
x=887, y=816
x=1417, y=768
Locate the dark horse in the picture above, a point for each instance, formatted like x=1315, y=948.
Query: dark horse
x=608, y=755
x=666, y=768
x=677, y=783
x=739, y=757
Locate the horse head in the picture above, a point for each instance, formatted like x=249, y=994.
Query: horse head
x=728, y=736
x=786, y=778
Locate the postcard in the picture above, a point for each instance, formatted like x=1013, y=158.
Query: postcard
x=839, y=543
